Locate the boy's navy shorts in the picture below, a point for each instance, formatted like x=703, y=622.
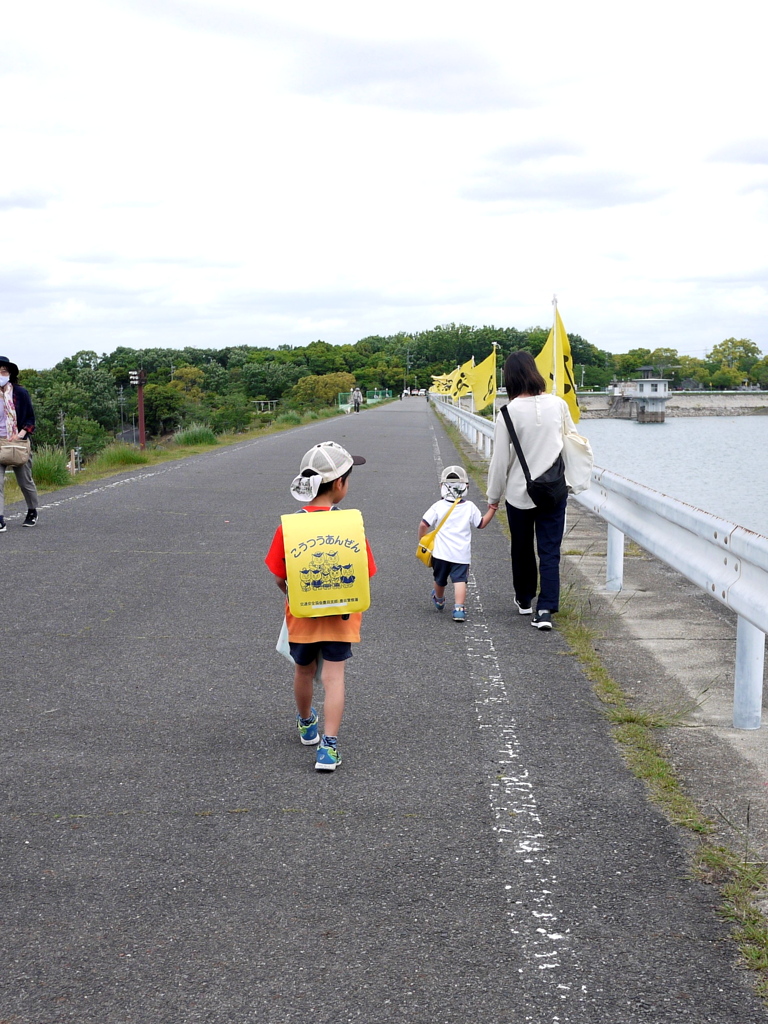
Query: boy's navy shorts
x=443, y=571
x=331, y=650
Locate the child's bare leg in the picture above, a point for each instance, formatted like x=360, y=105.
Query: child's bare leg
x=439, y=592
x=460, y=593
x=333, y=706
x=303, y=687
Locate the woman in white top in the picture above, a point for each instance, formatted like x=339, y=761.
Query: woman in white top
x=539, y=420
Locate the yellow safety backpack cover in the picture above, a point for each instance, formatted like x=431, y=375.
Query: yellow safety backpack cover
x=326, y=559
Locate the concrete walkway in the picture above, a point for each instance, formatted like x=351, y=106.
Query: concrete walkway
x=168, y=854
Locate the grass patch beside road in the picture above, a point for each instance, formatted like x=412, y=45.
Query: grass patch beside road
x=633, y=727
x=121, y=458
x=742, y=881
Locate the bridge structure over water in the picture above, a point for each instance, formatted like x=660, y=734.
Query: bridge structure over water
x=168, y=852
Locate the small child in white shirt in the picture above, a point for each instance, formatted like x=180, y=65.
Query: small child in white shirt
x=452, y=552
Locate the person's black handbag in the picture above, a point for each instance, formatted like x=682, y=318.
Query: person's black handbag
x=547, y=490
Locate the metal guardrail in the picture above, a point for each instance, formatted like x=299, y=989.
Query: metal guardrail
x=727, y=561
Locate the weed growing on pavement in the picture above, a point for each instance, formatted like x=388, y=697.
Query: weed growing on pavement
x=743, y=883
x=633, y=726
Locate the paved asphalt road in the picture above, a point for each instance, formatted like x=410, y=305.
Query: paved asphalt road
x=168, y=854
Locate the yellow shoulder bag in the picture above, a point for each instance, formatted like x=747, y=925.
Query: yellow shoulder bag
x=326, y=559
x=427, y=542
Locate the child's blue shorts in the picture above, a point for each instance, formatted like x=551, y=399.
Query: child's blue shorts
x=331, y=650
x=443, y=571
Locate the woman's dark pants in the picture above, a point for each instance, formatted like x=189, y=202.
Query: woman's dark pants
x=547, y=527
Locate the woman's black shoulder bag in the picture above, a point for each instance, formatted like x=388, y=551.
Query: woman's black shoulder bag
x=547, y=490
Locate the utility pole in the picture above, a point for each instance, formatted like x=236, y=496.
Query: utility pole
x=139, y=378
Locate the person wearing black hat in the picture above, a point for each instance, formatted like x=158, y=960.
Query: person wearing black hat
x=17, y=422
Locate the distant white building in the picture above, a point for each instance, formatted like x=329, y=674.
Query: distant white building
x=644, y=399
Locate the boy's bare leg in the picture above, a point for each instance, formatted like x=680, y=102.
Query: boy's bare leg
x=333, y=706
x=460, y=593
x=439, y=592
x=303, y=688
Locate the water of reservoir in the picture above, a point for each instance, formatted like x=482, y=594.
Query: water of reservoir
x=718, y=463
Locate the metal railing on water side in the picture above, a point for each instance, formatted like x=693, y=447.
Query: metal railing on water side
x=727, y=561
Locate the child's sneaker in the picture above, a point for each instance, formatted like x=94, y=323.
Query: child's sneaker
x=459, y=615
x=437, y=602
x=328, y=756
x=307, y=727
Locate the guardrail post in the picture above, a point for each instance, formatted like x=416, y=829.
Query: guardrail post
x=614, y=566
x=748, y=684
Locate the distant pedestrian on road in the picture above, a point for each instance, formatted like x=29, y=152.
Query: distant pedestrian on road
x=323, y=482
x=357, y=397
x=17, y=423
x=452, y=553
x=539, y=420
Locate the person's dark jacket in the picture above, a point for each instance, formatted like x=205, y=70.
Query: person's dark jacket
x=25, y=414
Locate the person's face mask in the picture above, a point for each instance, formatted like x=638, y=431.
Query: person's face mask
x=3, y=380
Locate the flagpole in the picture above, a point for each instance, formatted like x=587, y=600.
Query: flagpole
x=554, y=346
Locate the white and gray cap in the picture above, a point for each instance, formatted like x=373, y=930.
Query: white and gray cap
x=453, y=482
x=325, y=462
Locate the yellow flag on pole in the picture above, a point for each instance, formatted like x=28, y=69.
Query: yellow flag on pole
x=482, y=381
x=442, y=384
x=555, y=364
x=460, y=385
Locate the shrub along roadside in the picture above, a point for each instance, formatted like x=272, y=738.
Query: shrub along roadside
x=119, y=457
x=50, y=467
x=195, y=433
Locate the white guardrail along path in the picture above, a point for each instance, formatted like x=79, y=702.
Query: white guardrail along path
x=728, y=561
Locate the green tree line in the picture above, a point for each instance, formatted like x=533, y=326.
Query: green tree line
x=86, y=399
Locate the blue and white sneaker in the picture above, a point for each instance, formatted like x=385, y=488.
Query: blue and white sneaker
x=328, y=756
x=459, y=614
x=438, y=602
x=308, y=732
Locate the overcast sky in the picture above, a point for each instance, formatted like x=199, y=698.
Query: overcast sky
x=219, y=172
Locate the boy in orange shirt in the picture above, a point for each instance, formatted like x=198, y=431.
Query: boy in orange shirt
x=323, y=481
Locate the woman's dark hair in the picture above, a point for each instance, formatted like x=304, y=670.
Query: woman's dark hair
x=521, y=375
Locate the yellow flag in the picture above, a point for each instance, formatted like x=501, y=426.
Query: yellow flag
x=482, y=380
x=442, y=385
x=460, y=384
x=555, y=364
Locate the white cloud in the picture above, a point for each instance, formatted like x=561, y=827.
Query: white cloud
x=188, y=172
